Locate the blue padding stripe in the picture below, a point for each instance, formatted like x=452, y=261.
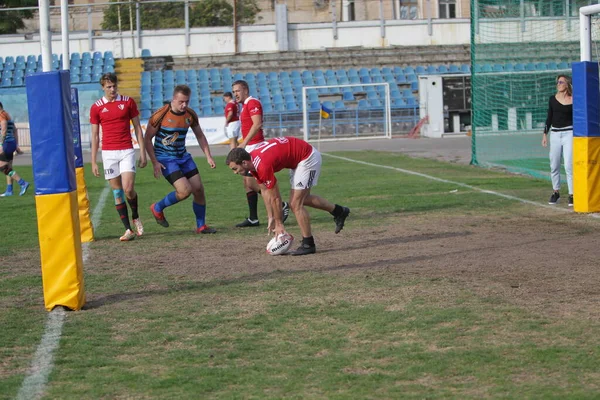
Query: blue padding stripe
x=119, y=196
x=51, y=127
x=76, y=128
x=586, y=97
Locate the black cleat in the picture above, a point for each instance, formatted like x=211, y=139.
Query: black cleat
x=554, y=198
x=206, y=229
x=304, y=249
x=340, y=219
x=570, y=200
x=285, y=209
x=248, y=223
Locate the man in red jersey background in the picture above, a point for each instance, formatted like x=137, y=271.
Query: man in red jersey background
x=232, y=119
x=113, y=112
x=251, y=120
x=304, y=161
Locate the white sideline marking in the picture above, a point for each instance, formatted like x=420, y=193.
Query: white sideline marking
x=43, y=360
x=464, y=185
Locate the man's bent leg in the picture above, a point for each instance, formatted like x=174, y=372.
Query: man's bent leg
x=252, y=190
x=297, y=199
x=199, y=205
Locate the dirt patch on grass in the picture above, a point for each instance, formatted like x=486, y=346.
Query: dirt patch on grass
x=549, y=265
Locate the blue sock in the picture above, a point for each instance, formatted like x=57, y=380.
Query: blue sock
x=167, y=201
x=200, y=212
x=21, y=182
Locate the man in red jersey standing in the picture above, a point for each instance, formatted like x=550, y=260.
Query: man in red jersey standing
x=304, y=161
x=232, y=119
x=251, y=119
x=113, y=112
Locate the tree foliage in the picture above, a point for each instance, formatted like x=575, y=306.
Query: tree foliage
x=172, y=14
x=10, y=21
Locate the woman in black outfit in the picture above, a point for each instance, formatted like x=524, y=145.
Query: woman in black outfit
x=559, y=126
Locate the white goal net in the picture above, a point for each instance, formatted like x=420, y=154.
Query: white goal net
x=346, y=112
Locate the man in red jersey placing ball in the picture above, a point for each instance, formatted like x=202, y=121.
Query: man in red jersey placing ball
x=304, y=162
x=113, y=112
x=251, y=120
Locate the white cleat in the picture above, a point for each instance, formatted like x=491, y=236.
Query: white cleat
x=127, y=236
x=138, y=226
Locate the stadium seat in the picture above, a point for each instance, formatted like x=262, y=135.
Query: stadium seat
x=411, y=101
x=18, y=81
x=509, y=67
x=498, y=68
x=146, y=114
x=519, y=67
x=486, y=68
x=530, y=67
x=442, y=69
x=6, y=82
x=363, y=103
x=398, y=102
x=401, y=79
x=563, y=65
x=465, y=68
x=453, y=68
x=409, y=70
x=291, y=106
x=432, y=69
x=315, y=106
x=552, y=65
x=146, y=53
x=339, y=105
x=541, y=66
x=419, y=70
x=348, y=95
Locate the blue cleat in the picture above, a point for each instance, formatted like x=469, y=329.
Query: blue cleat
x=6, y=194
x=24, y=189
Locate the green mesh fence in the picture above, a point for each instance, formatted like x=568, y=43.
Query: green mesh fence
x=517, y=50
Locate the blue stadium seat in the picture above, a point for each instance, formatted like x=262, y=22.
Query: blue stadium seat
x=465, y=68
x=530, y=66
x=306, y=75
x=347, y=94
x=97, y=56
x=352, y=72
x=454, y=69
x=6, y=82
x=146, y=53
x=541, y=66
x=519, y=67
x=291, y=106
x=409, y=70
x=432, y=69
x=267, y=107
x=486, y=68
x=318, y=74
x=365, y=79
x=420, y=70
x=401, y=79
x=339, y=105
x=109, y=69
x=328, y=104
x=315, y=105
x=563, y=65
x=552, y=65
x=498, y=68
x=442, y=69
x=398, y=102
x=85, y=78
x=363, y=103
x=18, y=81
x=146, y=114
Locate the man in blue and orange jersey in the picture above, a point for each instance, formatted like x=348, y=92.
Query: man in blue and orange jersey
x=113, y=113
x=168, y=127
x=8, y=146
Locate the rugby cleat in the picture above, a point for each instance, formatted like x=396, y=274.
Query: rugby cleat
x=247, y=223
x=159, y=216
x=24, y=188
x=138, y=226
x=206, y=229
x=285, y=208
x=6, y=194
x=304, y=249
x=127, y=236
x=340, y=219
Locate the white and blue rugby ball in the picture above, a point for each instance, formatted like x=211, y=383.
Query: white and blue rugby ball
x=280, y=244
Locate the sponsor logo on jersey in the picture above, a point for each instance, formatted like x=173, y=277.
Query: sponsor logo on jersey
x=299, y=184
x=121, y=106
x=188, y=121
x=169, y=140
x=105, y=110
x=254, y=110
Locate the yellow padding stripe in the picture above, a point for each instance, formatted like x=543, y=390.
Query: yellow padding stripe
x=85, y=222
x=586, y=174
x=60, y=250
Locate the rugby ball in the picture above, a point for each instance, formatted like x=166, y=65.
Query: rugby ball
x=280, y=244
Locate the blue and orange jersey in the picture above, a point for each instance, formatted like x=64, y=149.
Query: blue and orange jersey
x=172, y=129
x=10, y=126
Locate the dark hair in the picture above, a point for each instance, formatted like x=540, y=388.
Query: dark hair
x=242, y=83
x=183, y=89
x=1, y=106
x=108, y=77
x=228, y=94
x=569, y=83
x=237, y=155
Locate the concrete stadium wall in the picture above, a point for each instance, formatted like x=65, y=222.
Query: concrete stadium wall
x=253, y=39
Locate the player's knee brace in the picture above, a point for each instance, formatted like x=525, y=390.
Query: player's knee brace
x=119, y=196
x=7, y=170
x=11, y=173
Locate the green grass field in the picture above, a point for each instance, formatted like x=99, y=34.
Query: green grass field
x=432, y=290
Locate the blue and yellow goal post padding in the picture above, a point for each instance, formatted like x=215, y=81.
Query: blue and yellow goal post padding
x=586, y=137
x=83, y=201
x=51, y=127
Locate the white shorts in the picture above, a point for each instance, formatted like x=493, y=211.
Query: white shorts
x=233, y=130
x=306, y=174
x=116, y=162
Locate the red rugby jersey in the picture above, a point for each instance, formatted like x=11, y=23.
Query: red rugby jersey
x=251, y=107
x=114, y=117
